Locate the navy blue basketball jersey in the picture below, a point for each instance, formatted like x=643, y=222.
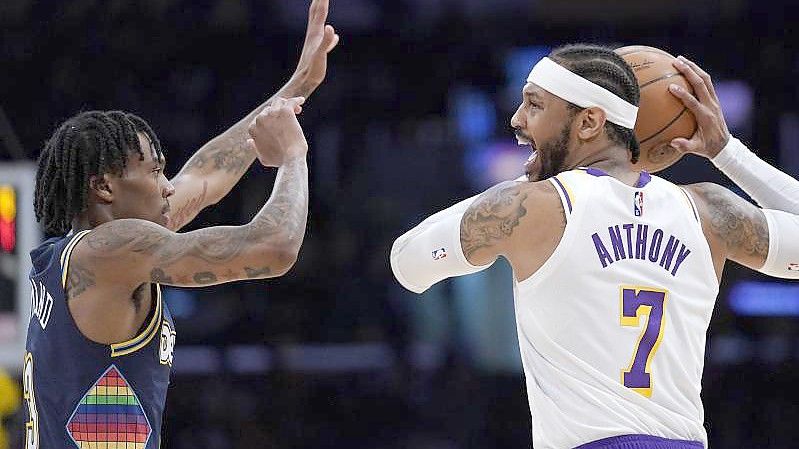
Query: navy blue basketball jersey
x=84, y=394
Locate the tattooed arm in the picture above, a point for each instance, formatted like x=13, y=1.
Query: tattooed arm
x=736, y=229
x=132, y=252
x=490, y=221
x=464, y=239
x=219, y=165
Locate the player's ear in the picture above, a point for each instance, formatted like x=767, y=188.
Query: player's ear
x=590, y=122
x=100, y=185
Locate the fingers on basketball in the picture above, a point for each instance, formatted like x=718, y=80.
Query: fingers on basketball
x=662, y=117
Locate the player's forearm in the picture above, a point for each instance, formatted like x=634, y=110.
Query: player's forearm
x=770, y=187
x=225, y=158
x=279, y=227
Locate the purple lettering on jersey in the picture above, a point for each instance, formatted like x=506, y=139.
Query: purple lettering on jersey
x=640, y=241
x=601, y=251
x=629, y=228
x=684, y=252
x=632, y=300
x=668, y=252
x=645, y=246
x=616, y=242
x=654, y=249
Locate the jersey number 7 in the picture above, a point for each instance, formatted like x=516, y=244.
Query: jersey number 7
x=637, y=301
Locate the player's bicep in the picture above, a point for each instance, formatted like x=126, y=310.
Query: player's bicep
x=138, y=251
x=488, y=224
x=735, y=225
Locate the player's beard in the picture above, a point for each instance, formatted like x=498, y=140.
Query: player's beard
x=552, y=155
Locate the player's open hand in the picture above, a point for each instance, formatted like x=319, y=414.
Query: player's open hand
x=711, y=134
x=320, y=39
x=276, y=135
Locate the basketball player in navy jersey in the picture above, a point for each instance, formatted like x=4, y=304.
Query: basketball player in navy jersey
x=615, y=271
x=100, y=339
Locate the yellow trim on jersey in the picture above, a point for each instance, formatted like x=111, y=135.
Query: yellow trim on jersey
x=66, y=254
x=635, y=322
x=690, y=202
x=141, y=340
x=569, y=191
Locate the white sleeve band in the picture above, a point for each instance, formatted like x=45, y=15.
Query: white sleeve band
x=767, y=185
x=783, y=245
x=432, y=252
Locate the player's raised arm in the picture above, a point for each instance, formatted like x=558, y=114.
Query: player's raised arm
x=132, y=251
x=761, y=239
x=219, y=164
x=766, y=184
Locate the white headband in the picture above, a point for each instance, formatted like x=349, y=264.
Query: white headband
x=573, y=88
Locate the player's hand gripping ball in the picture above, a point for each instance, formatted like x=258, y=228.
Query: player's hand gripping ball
x=662, y=117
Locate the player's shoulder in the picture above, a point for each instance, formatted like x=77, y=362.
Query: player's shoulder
x=709, y=195
x=516, y=195
x=526, y=189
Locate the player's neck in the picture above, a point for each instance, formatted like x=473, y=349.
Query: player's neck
x=615, y=161
x=89, y=219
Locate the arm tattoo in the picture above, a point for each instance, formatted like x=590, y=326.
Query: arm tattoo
x=205, y=277
x=189, y=210
x=78, y=280
x=254, y=273
x=287, y=209
x=228, y=154
x=740, y=225
x=213, y=245
x=492, y=218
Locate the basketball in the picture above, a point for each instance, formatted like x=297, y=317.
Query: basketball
x=661, y=116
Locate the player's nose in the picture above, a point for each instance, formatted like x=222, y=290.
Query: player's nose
x=516, y=119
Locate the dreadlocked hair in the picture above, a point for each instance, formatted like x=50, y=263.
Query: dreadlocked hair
x=603, y=67
x=90, y=143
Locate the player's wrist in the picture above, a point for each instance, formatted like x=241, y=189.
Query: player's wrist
x=298, y=86
x=298, y=157
x=713, y=150
x=729, y=153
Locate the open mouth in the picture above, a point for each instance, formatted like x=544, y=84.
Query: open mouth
x=530, y=166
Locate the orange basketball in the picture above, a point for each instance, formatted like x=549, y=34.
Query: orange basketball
x=661, y=116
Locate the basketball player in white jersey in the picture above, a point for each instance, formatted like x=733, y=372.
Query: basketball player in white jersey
x=615, y=272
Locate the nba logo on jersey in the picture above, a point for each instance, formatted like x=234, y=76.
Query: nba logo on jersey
x=638, y=204
x=439, y=254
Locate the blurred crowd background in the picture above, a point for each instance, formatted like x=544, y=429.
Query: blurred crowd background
x=413, y=115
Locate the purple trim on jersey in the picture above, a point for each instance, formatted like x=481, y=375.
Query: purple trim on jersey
x=565, y=193
x=640, y=442
x=643, y=179
x=596, y=172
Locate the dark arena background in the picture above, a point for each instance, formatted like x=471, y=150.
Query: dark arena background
x=414, y=114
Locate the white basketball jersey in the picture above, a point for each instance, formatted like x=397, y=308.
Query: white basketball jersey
x=612, y=327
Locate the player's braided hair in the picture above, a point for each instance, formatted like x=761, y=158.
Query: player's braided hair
x=90, y=143
x=602, y=66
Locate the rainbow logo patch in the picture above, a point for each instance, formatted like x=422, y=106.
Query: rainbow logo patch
x=109, y=416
